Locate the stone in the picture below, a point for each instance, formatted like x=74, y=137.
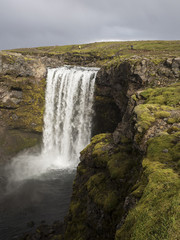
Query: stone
x=169, y=62
x=165, y=150
x=15, y=117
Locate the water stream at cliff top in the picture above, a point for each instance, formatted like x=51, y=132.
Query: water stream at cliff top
x=38, y=185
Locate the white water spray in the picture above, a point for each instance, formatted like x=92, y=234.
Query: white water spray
x=67, y=122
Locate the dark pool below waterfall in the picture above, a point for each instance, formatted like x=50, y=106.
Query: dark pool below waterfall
x=45, y=198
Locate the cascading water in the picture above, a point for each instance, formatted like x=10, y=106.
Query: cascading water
x=68, y=113
x=38, y=185
x=67, y=123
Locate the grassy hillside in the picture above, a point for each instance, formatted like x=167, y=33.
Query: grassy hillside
x=109, y=50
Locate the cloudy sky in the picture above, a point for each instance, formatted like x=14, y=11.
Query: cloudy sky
x=31, y=23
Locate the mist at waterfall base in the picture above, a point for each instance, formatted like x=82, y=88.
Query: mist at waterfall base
x=37, y=184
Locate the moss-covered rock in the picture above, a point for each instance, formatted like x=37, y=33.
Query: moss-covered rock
x=14, y=141
x=97, y=203
x=113, y=197
x=156, y=216
x=23, y=101
x=21, y=104
x=159, y=113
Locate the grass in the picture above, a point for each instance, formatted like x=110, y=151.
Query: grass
x=110, y=50
x=169, y=96
x=157, y=214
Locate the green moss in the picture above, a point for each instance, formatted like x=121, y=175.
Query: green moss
x=99, y=148
x=144, y=117
x=104, y=137
x=134, y=97
x=101, y=160
x=139, y=187
x=157, y=61
x=100, y=137
x=102, y=194
x=169, y=96
x=10, y=59
x=164, y=148
x=119, y=164
x=107, y=166
x=159, y=103
x=76, y=228
x=100, y=153
x=81, y=170
x=14, y=141
x=74, y=207
x=111, y=201
x=173, y=120
x=157, y=214
x=27, y=59
x=30, y=110
x=173, y=129
x=162, y=114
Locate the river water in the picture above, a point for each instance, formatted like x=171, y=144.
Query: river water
x=45, y=198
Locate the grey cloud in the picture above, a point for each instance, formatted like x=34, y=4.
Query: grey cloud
x=28, y=23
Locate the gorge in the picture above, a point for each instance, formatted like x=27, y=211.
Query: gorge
x=127, y=183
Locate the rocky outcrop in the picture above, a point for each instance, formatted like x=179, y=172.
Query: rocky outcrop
x=22, y=89
x=104, y=179
x=117, y=82
x=135, y=167
x=158, y=136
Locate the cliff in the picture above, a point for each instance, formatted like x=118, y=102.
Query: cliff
x=127, y=183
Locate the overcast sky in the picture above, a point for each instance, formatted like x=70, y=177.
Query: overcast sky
x=31, y=23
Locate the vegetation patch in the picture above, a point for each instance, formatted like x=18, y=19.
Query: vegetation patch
x=105, y=52
x=151, y=219
x=100, y=189
x=157, y=214
x=144, y=117
x=169, y=96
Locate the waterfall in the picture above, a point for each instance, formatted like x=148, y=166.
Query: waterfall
x=68, y=112
x=67, y=123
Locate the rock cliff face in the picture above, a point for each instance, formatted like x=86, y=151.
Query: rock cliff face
x=131, y=166
x=22, y=94
x=21, y=103
x=123, y=177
